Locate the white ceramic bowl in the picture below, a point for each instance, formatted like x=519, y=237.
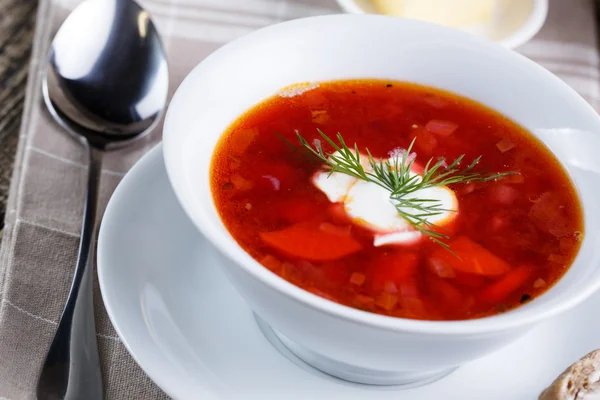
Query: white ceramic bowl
x=342, y=341
x=515, y=23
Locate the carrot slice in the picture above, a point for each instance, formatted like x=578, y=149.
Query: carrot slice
x=357, y=278
x=311, y=243
x=472, y=258
x=501, y=289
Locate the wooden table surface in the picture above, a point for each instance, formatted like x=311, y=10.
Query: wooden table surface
x=17, y=23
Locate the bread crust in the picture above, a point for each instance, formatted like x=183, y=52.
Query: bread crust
x=581, y=381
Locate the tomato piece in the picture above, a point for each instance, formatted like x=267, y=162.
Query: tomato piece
x=441, y=128
x=309, y=242
x=472, y=258
x=501, y=289
x=392, y=267
x=505, y=145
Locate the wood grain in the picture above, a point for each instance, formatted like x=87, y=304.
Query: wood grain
x=17, y=24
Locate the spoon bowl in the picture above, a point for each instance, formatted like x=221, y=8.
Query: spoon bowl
x=106, y=84
x=107, y=75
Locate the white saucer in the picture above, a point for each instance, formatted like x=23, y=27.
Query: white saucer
x=195, y=337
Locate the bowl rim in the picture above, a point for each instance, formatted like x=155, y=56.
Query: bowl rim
x=489, y=324
x=527, y=30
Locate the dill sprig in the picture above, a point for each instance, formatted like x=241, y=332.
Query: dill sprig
x=394, y=175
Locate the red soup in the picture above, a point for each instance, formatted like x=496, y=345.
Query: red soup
x=397, y=199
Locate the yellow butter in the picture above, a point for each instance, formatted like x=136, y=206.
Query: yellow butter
x=453, y=13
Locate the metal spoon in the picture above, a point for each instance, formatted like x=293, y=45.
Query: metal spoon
x=106, y=83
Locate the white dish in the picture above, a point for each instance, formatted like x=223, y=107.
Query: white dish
x=345, y=342
x=516, y=21
x=190, y=331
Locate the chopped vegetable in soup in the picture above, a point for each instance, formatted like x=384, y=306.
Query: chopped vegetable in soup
x=397, y=199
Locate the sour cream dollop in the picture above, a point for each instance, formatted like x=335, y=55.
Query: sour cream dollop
x=369, y=205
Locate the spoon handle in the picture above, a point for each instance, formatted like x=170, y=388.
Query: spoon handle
x=72, y=367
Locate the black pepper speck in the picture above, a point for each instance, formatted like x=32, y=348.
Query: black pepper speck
x=525, y=298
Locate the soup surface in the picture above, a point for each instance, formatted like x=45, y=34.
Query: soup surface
x=335, y=235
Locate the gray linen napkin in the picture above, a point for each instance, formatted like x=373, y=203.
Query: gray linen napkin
x=44, y=209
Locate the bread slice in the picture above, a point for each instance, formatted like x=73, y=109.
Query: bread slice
x=581, y=381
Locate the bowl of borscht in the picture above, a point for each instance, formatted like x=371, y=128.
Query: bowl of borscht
x=392, y=198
